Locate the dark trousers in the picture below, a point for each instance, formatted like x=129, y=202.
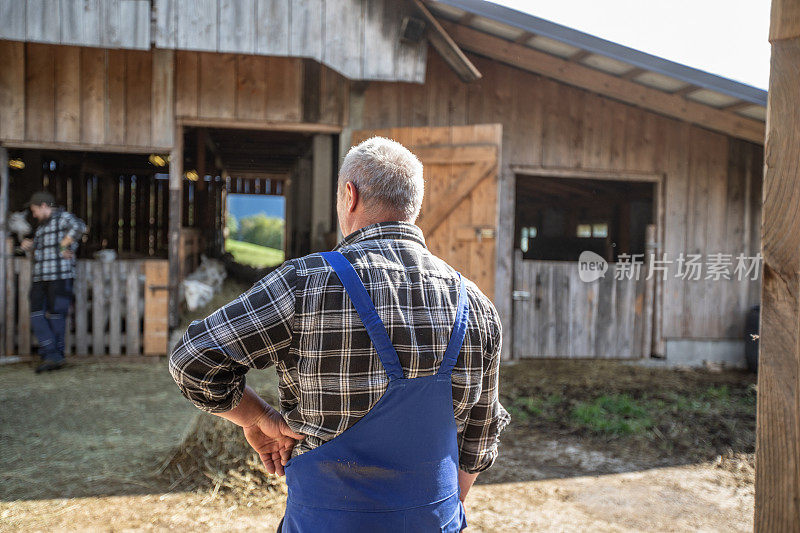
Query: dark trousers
x=50, y=301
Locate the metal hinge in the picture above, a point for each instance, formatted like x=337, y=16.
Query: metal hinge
x=521, y=295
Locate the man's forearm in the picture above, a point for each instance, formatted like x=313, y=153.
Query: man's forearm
x=465, y=482
x=250, y=408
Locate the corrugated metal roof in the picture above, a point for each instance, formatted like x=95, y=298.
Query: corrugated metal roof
x=612, y=58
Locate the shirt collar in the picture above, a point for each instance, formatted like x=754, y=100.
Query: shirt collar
x=384, y=230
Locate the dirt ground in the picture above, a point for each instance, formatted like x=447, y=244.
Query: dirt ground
x=598, y=446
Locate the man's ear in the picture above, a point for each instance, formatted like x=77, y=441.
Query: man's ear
x=351, y=196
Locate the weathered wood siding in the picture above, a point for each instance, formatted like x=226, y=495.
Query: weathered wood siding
x=712, y=182
x=129, y=100
x=358, y=38
x=79, y=95
x=250, y=88
x=102, y=23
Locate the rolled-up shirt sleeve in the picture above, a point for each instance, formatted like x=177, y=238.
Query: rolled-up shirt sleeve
x=253, y=331
x=77, y=228
x=477, y=443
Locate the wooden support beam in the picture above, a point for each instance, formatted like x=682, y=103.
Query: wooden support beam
x=579, y=56
x=630, y=92
x=447, y=47
x=633, y=73
x=736, y=106
x=4, y=180
x=686, y=91
x=777, y=502
x=524, y=37
x=175, y=218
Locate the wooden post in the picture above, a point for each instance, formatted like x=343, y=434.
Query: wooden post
x=4, y=179
x=777, y=502
x=322, y=200
x=649, y=291
x=175, y=218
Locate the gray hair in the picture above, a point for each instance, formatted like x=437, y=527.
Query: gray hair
x=385, y=172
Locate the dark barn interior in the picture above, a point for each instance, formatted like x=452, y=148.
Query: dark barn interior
x=558, y=218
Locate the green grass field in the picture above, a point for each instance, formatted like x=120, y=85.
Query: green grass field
x=253, y=254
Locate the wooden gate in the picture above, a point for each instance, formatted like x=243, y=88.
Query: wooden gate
x=459, y=210
x=556, y=314
x=120, y=308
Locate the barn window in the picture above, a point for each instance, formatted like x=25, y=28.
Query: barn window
x=558, y=218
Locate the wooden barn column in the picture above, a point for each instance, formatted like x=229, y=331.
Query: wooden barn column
x=175, y=218
x=4, y=179
x=777, y=506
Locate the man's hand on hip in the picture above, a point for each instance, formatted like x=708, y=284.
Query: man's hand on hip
x=272, y=438
x=265, y=430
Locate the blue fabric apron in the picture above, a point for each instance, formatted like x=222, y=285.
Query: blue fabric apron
x=396, y=469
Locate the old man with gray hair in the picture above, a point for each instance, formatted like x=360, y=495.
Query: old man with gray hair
x=388, y=362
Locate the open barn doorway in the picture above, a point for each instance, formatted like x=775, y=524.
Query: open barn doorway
x=561, y=222
x=258, y=197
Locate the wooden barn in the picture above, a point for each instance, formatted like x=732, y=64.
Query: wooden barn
x=539, y=143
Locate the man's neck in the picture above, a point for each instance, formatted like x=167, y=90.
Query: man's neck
x=363, y=223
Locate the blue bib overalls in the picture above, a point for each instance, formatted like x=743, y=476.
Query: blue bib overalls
x=396, y=469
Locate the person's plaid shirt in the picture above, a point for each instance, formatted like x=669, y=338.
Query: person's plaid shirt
x=300, y=319
x=48, y=264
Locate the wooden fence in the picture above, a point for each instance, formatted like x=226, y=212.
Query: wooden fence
x=120, y=308
x=558, y=315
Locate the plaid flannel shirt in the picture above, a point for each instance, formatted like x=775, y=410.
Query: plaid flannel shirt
x=300, y=319
x=48, y=264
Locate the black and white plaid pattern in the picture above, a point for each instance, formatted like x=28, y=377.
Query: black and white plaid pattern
x=48, y=264
x=300, y=319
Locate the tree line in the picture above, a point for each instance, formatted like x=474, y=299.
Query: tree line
x=257, y=229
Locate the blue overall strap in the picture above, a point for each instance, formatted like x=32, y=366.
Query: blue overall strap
x=366, y=311
x=459, y=331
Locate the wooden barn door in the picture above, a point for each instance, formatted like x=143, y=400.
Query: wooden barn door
x=459, y=211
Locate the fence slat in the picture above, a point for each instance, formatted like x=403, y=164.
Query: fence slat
x=115, y=310
x=156, y=327
x=98, y=309
x=24, y=306
x=132, y=321
x=81, y=309
x=11, y=298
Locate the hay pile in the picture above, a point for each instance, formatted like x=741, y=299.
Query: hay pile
x=214, y=456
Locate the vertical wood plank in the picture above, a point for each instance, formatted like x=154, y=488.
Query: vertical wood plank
x=175, y=217
x=162, y=98
x=217, y=96
x=196, y=24
x=81, y=308
x=12, y=90
x=251, y=87
x=186, y=83
x=284, y=86
x=138, y=98
x=155, y=307
x=12, y=12
x=40, y=95
x=10, y=301
x=117, y=89
x=133, y=294
x=98, y=271
x=305, y=29
x=115, y=309
x=68, y=93
x=93, y=95
x=24, y=306
x=237, y=26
